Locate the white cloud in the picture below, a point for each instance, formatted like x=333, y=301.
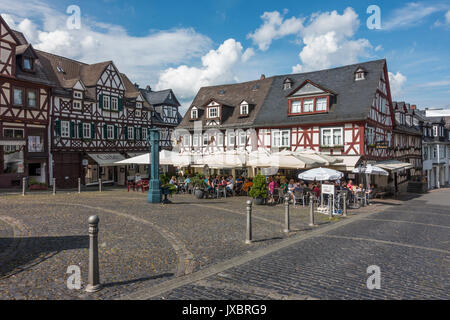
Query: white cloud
x=397, y=82
x=411, y=15
x=274, y=28
x=218, y=66
x=447, y=17
x=141, y=58
x=328, y=41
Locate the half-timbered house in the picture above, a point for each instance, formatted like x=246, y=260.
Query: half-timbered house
x=165, y=113
x=98, y=117
x=345, y=112
x=24, y=111
x=407, y=145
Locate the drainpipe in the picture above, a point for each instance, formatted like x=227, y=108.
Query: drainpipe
x=438, y=173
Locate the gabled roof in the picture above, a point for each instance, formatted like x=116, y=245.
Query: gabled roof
x=155, y=98
x=310, y=83
x=91, y=73
x=234, y=95
x=352, y=102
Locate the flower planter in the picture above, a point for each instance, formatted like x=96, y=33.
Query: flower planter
x=38, y=187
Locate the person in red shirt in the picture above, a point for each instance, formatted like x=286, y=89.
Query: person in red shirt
x=316, y=191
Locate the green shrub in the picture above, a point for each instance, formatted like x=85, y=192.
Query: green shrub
x=259, y=188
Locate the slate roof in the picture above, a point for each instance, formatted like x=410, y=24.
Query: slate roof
x=415, y=130
x=352, y=101
x=40, y=75
x=160, y=97
x=232, y=95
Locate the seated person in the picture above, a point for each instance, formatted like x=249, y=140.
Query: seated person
x=239, y=181
x=187, y=181
x=230, y=183
x=247, y=185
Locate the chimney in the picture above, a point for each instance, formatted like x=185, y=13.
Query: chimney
x=136, y=85
x=148, y=88
x=262, y=77
x=414, y=107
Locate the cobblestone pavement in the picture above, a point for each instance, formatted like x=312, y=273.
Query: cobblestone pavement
x=140, y=245
x=409, y=242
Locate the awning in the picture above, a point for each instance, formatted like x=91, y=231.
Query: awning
x=394, y=165
x=135, y=154
x=348, y=163
x=106, y=159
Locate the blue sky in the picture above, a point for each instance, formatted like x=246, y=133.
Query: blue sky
x=188, y=44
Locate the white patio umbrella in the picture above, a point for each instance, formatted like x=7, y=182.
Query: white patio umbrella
x=259, y=159
x=286, y=159
x=165, y=158
x=321, y=174
x=370, y=169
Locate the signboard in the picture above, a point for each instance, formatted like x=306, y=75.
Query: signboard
x=327, y=189
x=381, y=145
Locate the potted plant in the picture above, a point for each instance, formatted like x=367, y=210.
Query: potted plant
x=259, y=189
x=199, y=186
x=35, y=185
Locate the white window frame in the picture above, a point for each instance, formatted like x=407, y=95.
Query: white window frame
x=77, y=94
x=65, y=125
x=244, y=109
x=297, y=108
x=231, y=139
x=137, y=113
x=87, y=130
x=144, y=134
x=332, y=130
x=195, y=140
x=312, y=104
x=130, y=133
x=216, y=109
x=205, y=140
x=139, y=105
x=114, y=103
x=242, y=138
x=110, y=132
x=324, y=105
x=75, y=102
x=278, y=138
x=106, y=104
x=194, y=113
x=219, y=140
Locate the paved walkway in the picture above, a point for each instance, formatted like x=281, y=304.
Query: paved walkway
x=409, y=242
x=141, y=245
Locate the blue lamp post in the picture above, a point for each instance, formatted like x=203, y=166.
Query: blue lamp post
x=154, y=191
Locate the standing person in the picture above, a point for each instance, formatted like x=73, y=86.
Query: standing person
x=350, y=185
x=273, y=185
x=316, y=190
x=369, y=193
x=230, y=184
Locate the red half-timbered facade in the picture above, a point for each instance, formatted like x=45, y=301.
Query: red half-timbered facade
x=344, y=112
x=24, y=112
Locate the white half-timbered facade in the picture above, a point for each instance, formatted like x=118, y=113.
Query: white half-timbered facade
x=98, y=117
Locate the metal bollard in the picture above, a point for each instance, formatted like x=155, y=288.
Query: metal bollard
x=94, y=274
x=100, y=186
x=24, y=181
x=79, y=185
x=311, y=211
x=286, y=213
x=344, y=195
x=248, y=239
x=54, y=186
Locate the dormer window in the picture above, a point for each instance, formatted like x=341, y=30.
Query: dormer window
x=139, y=105
x=360, y=74
x=78, y=95
x=308, y=105
x=213, y=112
x=28, y=64
x=194, y=113
x=244, y=109
x=287, y=84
